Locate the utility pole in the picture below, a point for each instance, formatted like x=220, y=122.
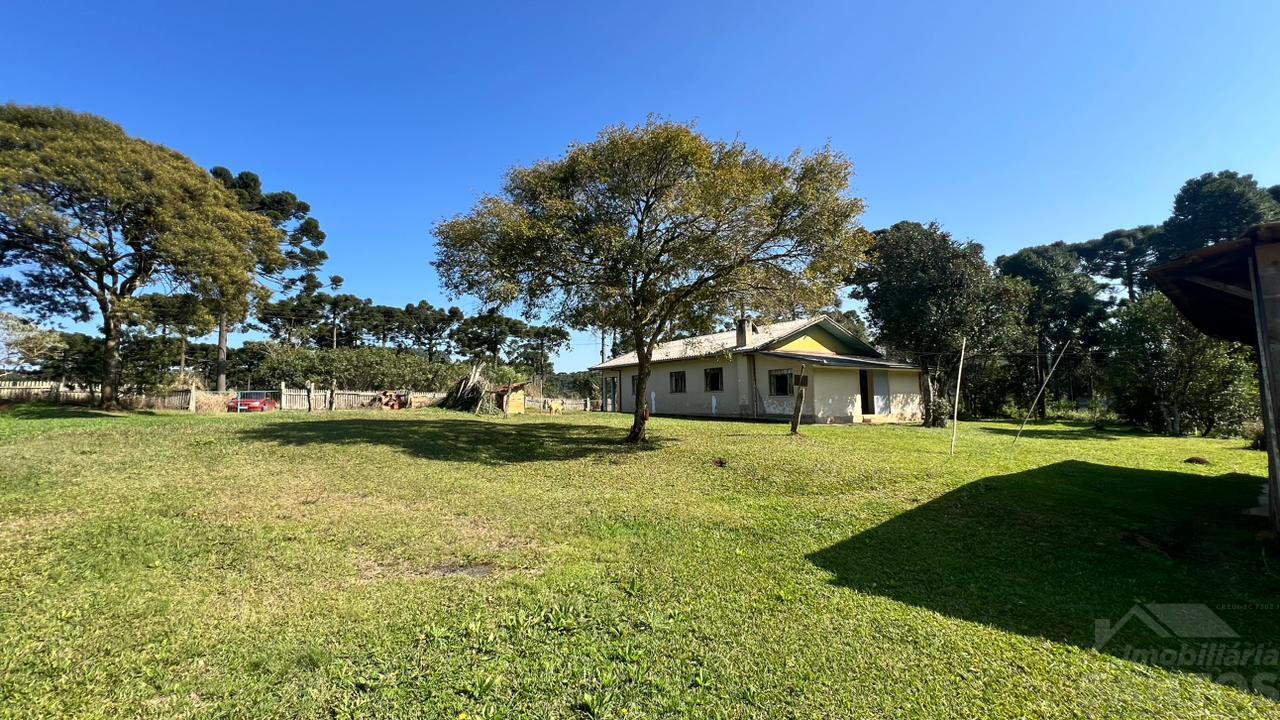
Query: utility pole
x=1042, y=387
x=955, y=406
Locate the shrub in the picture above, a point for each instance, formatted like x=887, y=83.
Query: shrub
x=1256, y=433
x=357, y=369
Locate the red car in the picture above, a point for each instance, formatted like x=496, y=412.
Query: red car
x=252, y=401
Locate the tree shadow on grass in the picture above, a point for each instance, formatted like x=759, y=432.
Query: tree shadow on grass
x=1054, y=430
x=42, y=411
x=458, y=439
x=1067, y=552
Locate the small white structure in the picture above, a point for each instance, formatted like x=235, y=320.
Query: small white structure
x=750, y=373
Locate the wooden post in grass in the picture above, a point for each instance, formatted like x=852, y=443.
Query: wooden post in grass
x=1042, y=387
x=955, y=406
x=802, y=381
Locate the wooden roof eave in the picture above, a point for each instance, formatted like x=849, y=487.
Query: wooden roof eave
x=1211, y=287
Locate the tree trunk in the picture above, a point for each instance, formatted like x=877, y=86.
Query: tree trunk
x=641, y=418
x=182, y=357
x=108, y=399
x=222, y=352
x=926, y=394
x=932, y=418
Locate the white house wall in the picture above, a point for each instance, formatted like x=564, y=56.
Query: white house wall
x=695, y=400
x=780, y=405
x=904, y=396
x=835, y=395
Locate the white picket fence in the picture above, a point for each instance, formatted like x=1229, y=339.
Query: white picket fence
x=321, y=400
x=55, y=392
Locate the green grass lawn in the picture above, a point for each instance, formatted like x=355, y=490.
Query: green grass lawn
x=430, y=564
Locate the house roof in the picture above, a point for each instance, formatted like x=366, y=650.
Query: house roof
x=719, y=343
x=1212, y=287
x=849, y=361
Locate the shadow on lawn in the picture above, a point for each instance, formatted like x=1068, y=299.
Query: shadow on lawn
x=1053, y=552
x=42, y=411
x=464, y=440
x=1052, y=430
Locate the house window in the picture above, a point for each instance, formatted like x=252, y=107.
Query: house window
x=677, y=381
x=779, y=382
x=713, y=379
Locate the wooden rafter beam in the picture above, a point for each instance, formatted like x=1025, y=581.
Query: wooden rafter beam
x=1221, y=286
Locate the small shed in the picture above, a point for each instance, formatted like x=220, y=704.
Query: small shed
x=1232, y=291
x=509, y=398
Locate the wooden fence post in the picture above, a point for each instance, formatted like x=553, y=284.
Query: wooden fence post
x=795, y=414
x=191, y=398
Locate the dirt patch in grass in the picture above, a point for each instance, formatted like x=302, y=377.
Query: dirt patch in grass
x=17, y=529
x=373, y=571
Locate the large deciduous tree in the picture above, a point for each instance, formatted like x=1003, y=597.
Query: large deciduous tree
x=925, y=292
x=647, y=224
x=23, y=343
x=89, y=217
x=1167, y=375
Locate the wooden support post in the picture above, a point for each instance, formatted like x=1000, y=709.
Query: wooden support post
x=1264, y=275
x=795, y=414
x=283, y=392
x=955, y=406
x=1042, y=387
x=191, y=398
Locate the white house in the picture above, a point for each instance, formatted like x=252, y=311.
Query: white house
x=749, y=373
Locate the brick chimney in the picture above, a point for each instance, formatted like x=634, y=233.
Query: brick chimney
x=746, y=329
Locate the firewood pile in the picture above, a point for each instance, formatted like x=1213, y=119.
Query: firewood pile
x=470, y=393
x=390, y=400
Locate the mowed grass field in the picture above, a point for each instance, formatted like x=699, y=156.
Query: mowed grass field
x=432, y=564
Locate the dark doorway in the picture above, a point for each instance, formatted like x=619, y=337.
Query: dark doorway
x=864, y=392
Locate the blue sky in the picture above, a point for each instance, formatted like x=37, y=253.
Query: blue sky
x=1013, y=124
